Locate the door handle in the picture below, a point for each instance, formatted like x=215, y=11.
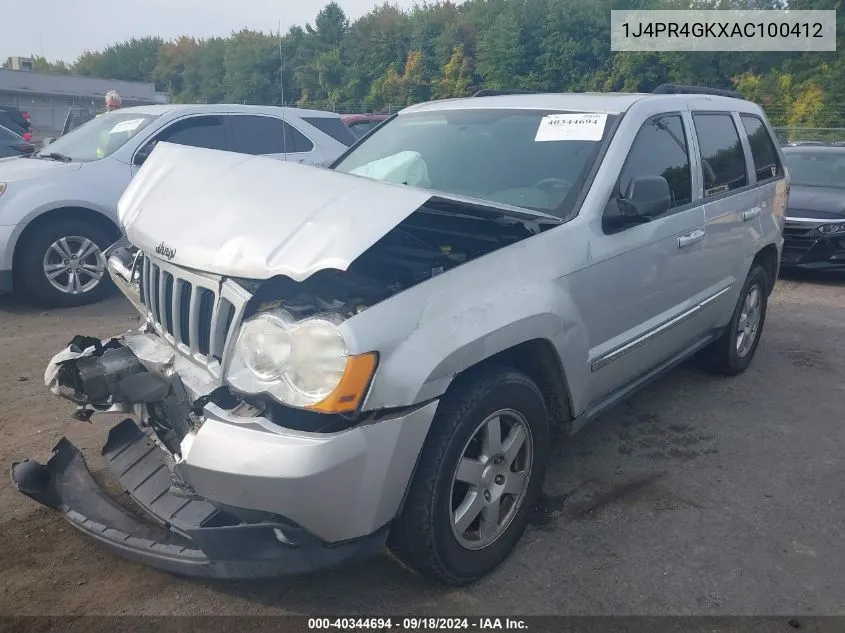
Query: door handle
x=750, y=214
x=691, y=238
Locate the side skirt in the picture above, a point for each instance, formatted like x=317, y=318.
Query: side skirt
x=626, y=391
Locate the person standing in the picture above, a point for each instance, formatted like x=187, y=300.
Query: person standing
x=113, y=101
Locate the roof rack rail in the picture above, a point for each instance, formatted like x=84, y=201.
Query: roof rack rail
x=496, y=93
x=677, y=89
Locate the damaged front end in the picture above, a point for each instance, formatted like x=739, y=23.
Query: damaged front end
x=228, y=485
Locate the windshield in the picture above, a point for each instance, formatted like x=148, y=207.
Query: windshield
x=816, y=169
x=100, y=137
x=527, y=158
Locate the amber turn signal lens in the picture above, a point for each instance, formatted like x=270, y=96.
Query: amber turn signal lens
x=352, y=388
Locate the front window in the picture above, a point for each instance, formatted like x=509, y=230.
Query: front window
x=816, y=169
x=99, y=137
x=527, y=158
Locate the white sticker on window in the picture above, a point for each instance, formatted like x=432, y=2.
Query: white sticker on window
x=126, y=126
x=571, y=127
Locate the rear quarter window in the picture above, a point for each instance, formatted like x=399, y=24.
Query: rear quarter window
x=763, y=150
x=722, y=156
x=333, y=127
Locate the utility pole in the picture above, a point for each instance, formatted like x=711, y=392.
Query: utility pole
x=281, y=66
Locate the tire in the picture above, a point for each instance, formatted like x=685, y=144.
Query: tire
x=38, y=251
x=423, y=536
x=728, y=355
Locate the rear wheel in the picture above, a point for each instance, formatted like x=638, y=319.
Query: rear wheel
x=732, y=352
x=62, y=263
x=479, y=475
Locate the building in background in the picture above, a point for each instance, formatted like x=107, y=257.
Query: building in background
x=50, y=98
x=20, y=63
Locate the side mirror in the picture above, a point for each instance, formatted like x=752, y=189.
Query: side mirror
x=646, y=198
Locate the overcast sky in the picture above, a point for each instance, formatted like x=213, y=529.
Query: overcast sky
x=63, y=29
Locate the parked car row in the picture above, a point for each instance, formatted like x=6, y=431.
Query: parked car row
x=58, y=208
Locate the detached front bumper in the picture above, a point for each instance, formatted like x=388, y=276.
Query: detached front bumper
x=194, y=537
x=247, y=497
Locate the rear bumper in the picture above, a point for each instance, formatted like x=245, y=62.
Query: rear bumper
x=193, y=537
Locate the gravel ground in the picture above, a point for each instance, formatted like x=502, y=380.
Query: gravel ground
x=701, y=495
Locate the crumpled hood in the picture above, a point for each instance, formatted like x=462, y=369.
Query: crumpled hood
x=18, y=169
x=256, y=217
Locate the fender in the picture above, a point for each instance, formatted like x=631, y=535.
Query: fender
x=432, y=332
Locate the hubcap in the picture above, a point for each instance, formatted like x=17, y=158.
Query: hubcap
x=491, y=479
x=74, y=265
x=749, y=320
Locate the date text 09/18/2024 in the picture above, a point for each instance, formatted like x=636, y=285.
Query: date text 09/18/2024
x=416, y=624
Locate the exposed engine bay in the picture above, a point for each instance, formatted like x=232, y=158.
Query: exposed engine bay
x=438, y=237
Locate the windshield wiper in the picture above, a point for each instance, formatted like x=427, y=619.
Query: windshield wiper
x=55, y=156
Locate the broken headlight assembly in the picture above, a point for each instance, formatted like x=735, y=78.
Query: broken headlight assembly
x=303, y=364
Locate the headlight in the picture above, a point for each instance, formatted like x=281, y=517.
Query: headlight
x=299, y=363
x=829, y=229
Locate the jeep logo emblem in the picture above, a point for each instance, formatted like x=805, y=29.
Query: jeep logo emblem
x=165, y=251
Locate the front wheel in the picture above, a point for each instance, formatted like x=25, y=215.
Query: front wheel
x=479, y=475
x=62, y=263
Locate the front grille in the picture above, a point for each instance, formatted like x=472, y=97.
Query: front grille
x=797, y=242
x=191, y=311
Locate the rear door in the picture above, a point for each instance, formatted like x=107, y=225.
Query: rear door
x=265, y=135
x=732, y=207
x=767, y=165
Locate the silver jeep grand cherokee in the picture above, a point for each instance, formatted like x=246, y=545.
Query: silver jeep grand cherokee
x=334, y=360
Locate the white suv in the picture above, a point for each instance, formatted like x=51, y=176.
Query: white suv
x=58, y=208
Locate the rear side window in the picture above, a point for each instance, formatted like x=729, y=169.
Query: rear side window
x=296, y=141
x=333, y=127
x=199, y=131
x=722, y=158
x=766, y=161
x=258, y=135
x=660, y=149
x=6, y=137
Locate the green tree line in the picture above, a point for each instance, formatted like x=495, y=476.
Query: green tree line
x=390, y=57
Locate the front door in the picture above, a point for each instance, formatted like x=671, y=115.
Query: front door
x=639, y=294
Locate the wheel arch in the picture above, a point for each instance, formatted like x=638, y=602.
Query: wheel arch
x=80, y=213
x=539, y=360
x=768, y=258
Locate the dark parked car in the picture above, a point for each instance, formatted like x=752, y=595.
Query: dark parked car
x=18, y=117
x=13, y=127
x=363, y=124
x=814, y=232
x=12, y=144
